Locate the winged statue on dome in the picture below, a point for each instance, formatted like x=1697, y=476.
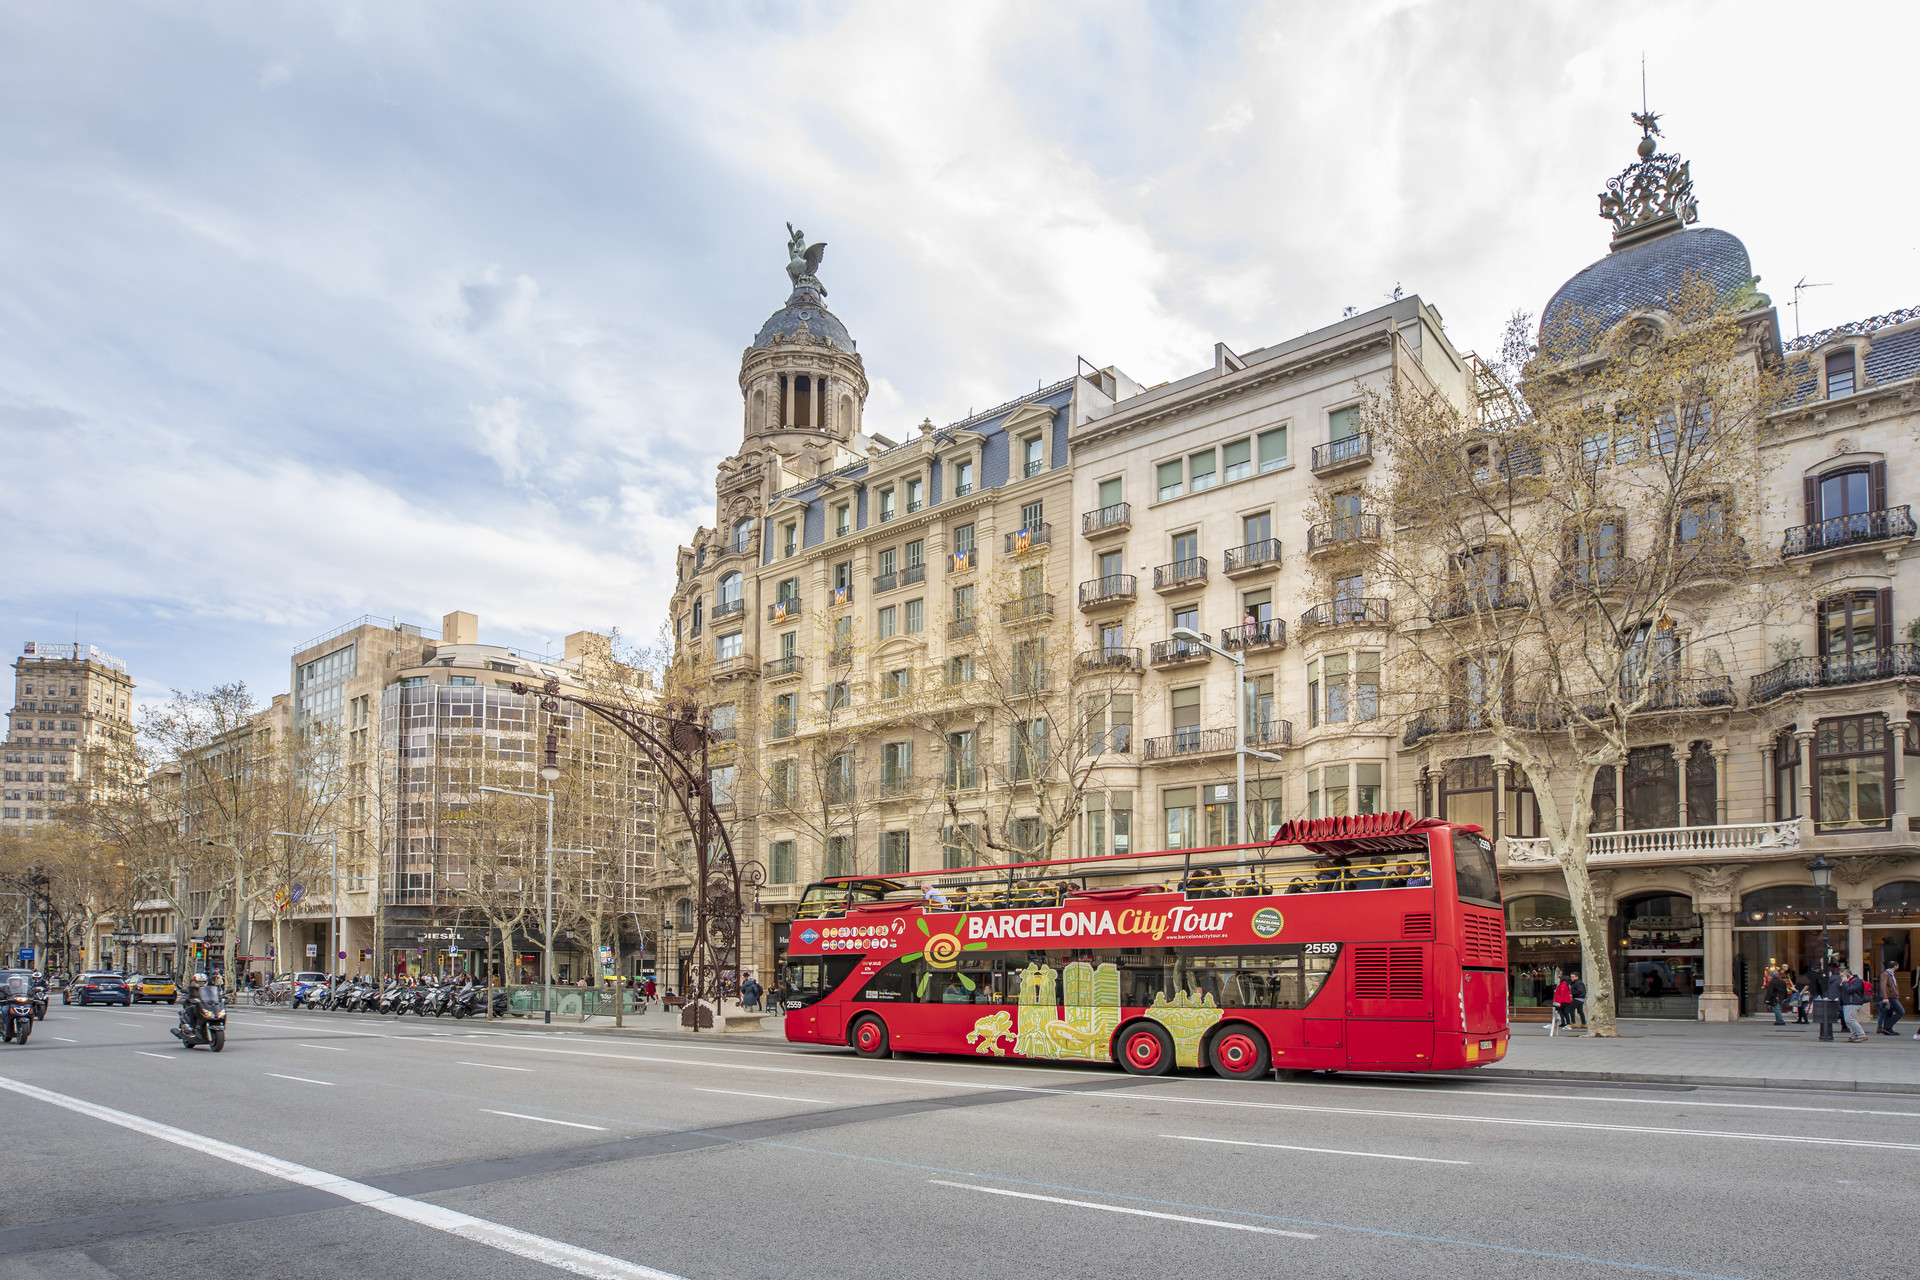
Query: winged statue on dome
x=803, y=260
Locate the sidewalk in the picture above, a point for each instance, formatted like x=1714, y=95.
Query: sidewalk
x=1749, y=1054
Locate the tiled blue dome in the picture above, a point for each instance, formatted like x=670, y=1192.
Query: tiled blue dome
x=805, y=307
x=1646, y=275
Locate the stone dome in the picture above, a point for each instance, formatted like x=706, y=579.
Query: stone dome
x=1646, y=274
x=804, y=307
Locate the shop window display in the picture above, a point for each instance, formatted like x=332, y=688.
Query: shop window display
x=1542, y=947
x=1659, y=957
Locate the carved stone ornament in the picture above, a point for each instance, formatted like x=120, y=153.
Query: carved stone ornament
x=1649, y=191
x=1715, y=883
x=1842, y=445
x=1860, y=870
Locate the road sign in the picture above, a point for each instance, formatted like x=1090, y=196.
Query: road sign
x=26, y=956
x=299, y=892
x=313, y=949
x=343, y=955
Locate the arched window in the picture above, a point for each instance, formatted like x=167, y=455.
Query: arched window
x=728, y=595
x=1897, y=902
x=742, y=534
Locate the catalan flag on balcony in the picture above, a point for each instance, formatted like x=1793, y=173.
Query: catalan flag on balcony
x=840, y=595
x=962, y=561
x=780, y=611
x=1022, y=541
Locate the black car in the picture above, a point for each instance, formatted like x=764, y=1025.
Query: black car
x=99, y=988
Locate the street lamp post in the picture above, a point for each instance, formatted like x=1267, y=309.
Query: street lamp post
x=550, y=773
x=1240, y=748
x=1822, y=877
x=333, y=925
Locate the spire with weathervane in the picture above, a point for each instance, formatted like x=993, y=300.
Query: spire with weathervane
x=1653, y=195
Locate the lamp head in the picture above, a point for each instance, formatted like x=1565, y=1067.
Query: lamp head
x=1187, y=633
x=1822, y=871
x=551, y=772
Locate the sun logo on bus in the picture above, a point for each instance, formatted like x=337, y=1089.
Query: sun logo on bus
x=943, y=952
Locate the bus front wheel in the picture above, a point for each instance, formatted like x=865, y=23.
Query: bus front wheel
x=1146, y=1049
x=1238, y=1052
x=870, y=1037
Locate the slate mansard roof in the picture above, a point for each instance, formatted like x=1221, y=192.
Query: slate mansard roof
x=1646, y=275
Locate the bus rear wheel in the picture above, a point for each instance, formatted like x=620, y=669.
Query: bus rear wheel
x=870, y=1037
x=1146, y=1049
x=1238, y=1053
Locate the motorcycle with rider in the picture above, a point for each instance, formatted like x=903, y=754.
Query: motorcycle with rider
x=203, y=1016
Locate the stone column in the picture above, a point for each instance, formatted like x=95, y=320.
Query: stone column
x=1767, y=811
x=1856, y=939
x=1619, y=796
x=1680, y=755
x=1897, y=727
x=1719, y=1002
x=1719, y=750
x=786, y=420
x=1500, y=769
x=822, y=417
x=1803, y=742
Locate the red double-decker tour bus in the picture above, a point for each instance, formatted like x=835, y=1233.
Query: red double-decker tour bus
x=1370, y=943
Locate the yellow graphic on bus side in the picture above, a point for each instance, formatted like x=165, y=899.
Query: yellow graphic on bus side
x=1074, y=1021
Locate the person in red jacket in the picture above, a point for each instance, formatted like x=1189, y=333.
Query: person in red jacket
x=1563, y=1002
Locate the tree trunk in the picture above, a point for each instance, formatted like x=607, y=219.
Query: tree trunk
x=1595, y=962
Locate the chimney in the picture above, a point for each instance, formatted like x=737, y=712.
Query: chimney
x=460, y=628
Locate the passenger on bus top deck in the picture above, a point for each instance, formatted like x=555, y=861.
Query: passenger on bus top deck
x=1402, y=872
x=1421, y=878
x=1332, y=872
x=935, y=896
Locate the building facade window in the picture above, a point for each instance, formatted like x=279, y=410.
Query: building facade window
x=916, y=616
x=843, y=519
x=782, y=866
x=839, y=856
x=1336, y=790
x=887, y=622
x=1179, y=806
x=886, y=505
x=1171, y=482
x=962, y=762
x=957, y=845
x=1853, y=771
x=1273, y=449
x=1201, y=472
x=963, y=477
x=1033, y=453
x=1703, y=786
x=728, y=646
x=789, y=540
x=1840, y=374
x=915, y=491
x=896, y=852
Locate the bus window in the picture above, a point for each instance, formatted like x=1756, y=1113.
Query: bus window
x=812, y=979
x=1473, y=869
x=1279, y=976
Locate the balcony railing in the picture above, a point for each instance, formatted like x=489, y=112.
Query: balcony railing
x=781, y=610
x=1181, y=573
x=1254, y=635
x=1835, y=669
x=1167, y=652
x=1026, y=608
x=959, y=627
x=783, y=727
x=1849, y=531
x=1355, y=610
x=1021, y=541
x=1027, y=680
x=777, y=667
x=1464, y=602
x=1109, y=658
x=1106, y=519
x=1113, y=588
x=1354, y=449
x=841, y=655
x=912, y=574
x=963, y=561
x=1588, y=575
x=1342, y=531
x=885, y=582
x=729, y=609
x=896, y=785
x=962, y=776
x=1270, y=733
x=1681, y=844
x=839, y=597
x=1669, y=693
x=1189, y=742
x=1264, y=554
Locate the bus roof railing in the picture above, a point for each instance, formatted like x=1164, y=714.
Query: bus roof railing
x=1384, y=833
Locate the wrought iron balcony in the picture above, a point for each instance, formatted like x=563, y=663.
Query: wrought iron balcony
x=895, y=785
x=885, y=582
x=1864, y=529
x=839, y=597
x=1343, y=533
x=1109, y=658
x=778, y=667
x=1464, y=602
x=1181, y=574
x=1255, y=557
x=729, y=609
x=841, y=655
x=1106, y=520
x=781, y=610
x=783, y=727
x=912, y=574
x=963, y=561
x=959, y=627
x=1348, y=612
x=1270, y=733
x=1834, y=670
x=1166, y=653
x=1021, y=541
x=1026, y=608
x=1589, y=575
x=1113, y=588
x=1335, y=455
x=1255, y=635
x=1189, y=742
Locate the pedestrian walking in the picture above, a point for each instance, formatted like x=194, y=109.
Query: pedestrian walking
x=1891, y=1010
x=1579, y=992
x=1778, y=993
x=1852, y=994
x=1562, y=1006
x=750, y=994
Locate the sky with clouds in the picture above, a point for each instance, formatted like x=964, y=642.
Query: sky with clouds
x=318, y=310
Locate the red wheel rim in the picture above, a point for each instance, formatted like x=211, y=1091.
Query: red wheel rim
x=868, y=1036
x=1237, y=1052
x=1144, y=1049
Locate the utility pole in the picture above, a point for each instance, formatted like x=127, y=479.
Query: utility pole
x=1240, y=748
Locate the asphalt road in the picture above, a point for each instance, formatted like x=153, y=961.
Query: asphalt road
x=331, y=1145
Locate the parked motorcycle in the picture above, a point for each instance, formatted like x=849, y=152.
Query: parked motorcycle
x=16, y=1017
x=203, y=1019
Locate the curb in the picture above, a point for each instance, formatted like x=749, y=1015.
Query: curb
x=1722, y=1082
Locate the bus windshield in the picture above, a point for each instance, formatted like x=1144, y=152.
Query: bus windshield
x=1473, y=871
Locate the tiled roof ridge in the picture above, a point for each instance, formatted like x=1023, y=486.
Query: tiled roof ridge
x=1855, y=327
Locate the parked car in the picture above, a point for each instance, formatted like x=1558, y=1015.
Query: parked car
x=154, y=988
x=99, y=988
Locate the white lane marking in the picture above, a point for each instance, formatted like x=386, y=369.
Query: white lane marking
x=302, y=1079
x=330, y=1048
x=65, y=1038
x=1140, y=1095
x=523, y=1244
x=168, y=1056
x=1323, y=1151
x=1626, y=1099
x=493, y=1066
x=571, y=1124
x=777, y=1097
x=135, y=1025
x=1137, y=1213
